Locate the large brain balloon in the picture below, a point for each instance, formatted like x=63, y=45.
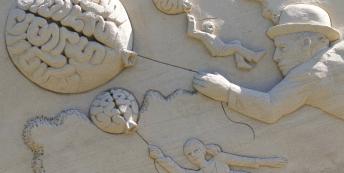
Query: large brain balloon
x=69, y=46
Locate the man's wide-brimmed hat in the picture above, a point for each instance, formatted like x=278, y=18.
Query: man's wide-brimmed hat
x=304, y=18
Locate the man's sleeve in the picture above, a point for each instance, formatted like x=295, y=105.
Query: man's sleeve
x=286, y=97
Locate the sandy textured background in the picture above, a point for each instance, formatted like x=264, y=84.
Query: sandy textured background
x=310, y=139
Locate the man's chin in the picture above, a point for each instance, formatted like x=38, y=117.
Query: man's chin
x=284, y=70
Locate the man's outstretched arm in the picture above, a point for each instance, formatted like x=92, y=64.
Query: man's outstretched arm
x=286, y=97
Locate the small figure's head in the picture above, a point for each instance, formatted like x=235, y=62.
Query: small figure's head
x=208, y=27
x=195, y=151
x=303, y=31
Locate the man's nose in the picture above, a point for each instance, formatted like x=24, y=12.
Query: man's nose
x=277, y=55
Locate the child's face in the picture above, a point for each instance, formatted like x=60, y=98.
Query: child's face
x=195, y=153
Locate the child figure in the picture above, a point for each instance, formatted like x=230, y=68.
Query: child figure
x=218, y=48
x=219, y=162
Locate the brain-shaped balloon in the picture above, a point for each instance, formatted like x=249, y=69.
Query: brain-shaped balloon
x=115, y=111
x=69, y=46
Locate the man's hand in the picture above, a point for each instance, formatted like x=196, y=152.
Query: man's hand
x=274, y=162
x=155, y=152
x=214, y=86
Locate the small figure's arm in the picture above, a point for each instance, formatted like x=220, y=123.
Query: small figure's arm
x=269, y=11
x=164, y=161
x=253, y=162
x=192, y=28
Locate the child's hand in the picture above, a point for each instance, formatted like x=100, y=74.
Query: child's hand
x=155, y=152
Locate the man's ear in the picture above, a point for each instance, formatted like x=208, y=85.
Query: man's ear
x=323, y=40
x=307, y=44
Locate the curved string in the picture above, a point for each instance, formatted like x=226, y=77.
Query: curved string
x=238, y=122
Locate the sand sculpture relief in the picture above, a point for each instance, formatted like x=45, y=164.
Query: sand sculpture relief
x=115, y=111
x=69, y=46
x=245, y=58
x=216, y=125
x=308, y=61
x=196, y=151
x=51, y=122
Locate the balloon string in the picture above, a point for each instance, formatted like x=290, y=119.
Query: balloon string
x=183, y=68
x=146, y=142
x=238, y=122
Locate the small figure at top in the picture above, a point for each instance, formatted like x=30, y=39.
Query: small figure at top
x=218, y=48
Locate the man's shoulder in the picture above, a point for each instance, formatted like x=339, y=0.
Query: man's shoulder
x=338, y=47
x=336, y=53
x=332, y=59
x=320, y=66
x=313, y=69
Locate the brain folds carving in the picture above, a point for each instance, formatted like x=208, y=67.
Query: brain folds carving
x=69, y=46
x=115, y=111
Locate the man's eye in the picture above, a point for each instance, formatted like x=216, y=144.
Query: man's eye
x=282, y=48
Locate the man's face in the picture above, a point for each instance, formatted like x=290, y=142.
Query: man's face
x=291, y=50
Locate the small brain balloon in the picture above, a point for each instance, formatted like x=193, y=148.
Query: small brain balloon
x=115, y=111
x=69, y=46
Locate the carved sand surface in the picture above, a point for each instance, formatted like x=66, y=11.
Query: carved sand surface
x=115, y=111
x=215, y=86
x=69, y=46
x=75, y=138
x=80, y=132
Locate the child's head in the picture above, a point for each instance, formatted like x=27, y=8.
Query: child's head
x=195, y=151
x=208, y=27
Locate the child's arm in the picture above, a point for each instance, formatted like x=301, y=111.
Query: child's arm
x=253, y=162
x=164, y=161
